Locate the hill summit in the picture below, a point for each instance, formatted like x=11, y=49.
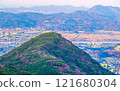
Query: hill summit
x=50, y=54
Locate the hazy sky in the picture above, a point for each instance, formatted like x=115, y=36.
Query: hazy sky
x=30, y=3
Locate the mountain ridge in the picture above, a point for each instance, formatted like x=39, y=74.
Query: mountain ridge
x=105, y=10
x=77, y=21
x=45, y=9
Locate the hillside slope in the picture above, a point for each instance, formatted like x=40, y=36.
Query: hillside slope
x=105, y=10
x=77, y=21
x=49, y=54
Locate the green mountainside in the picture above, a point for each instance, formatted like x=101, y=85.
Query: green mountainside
x=50, y=54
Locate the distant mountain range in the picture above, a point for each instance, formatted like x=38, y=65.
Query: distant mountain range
x=105, y=10
x=96, y=18
x=45, y=9
x=49, y=54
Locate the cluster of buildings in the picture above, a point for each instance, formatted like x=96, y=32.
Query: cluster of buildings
x=99, y=52
x=112, y=64
x=11, y=38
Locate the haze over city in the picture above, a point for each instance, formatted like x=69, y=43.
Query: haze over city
x=31, y=3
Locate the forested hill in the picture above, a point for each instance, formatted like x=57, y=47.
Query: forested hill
x=50, y=54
